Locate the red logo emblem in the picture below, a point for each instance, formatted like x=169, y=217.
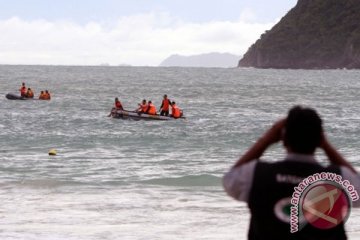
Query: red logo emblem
x=325, y=205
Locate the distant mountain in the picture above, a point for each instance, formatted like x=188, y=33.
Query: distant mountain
x=318, y=34
x=222, y=60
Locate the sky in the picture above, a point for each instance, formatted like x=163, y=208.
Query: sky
x=131, y=32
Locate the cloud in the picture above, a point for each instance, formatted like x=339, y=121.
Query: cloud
x=248, y=15
x=144, y=39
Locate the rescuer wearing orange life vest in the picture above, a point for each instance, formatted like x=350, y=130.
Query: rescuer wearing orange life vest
x=23, y=90
x=151, y=110
x=47, y=95
x=165, y=106
x=118, y=105
x=175, y=111
x=29, y=93
x=42, y=96
x=142, y=107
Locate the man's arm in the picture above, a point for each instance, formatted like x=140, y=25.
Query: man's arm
x=272, y=136
x=238, y=181
x=333, y=155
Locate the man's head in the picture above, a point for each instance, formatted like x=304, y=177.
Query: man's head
x=303, y=130
x=144, y=101
x=165, y=96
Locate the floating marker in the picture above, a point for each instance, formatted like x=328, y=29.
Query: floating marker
x=52, y=152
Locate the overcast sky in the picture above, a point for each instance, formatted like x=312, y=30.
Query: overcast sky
x=136, y=32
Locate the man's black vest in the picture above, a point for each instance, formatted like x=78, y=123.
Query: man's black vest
x=266, y=192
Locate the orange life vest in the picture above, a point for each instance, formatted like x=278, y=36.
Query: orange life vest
x=118, y=105
x=30, y=94
x=143, y=107
x=47, y=96
x=175, y=110
x=152, y=109
x=23, y=91
x=165, y=105
x=42, y=96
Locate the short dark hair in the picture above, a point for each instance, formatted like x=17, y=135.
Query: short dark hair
x=303, y=130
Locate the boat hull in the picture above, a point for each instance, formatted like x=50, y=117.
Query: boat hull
x=123, y=114
x=13, y=96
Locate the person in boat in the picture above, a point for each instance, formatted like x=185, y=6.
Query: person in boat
x=118, y=105
x=142, y=107
x=23, y=90
x=270, y=187
x=42, y=95
x=47, y=95
x=151, y=109
x=165, y=106
x=175, y=110
x=29, y=93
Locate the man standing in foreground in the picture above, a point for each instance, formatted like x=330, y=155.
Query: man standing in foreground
x=268, y=187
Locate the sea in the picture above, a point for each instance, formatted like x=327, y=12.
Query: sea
x=125, y=179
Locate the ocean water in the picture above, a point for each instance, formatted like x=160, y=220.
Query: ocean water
x=117, y=179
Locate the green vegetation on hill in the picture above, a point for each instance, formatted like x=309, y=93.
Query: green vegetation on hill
x=314, y=34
